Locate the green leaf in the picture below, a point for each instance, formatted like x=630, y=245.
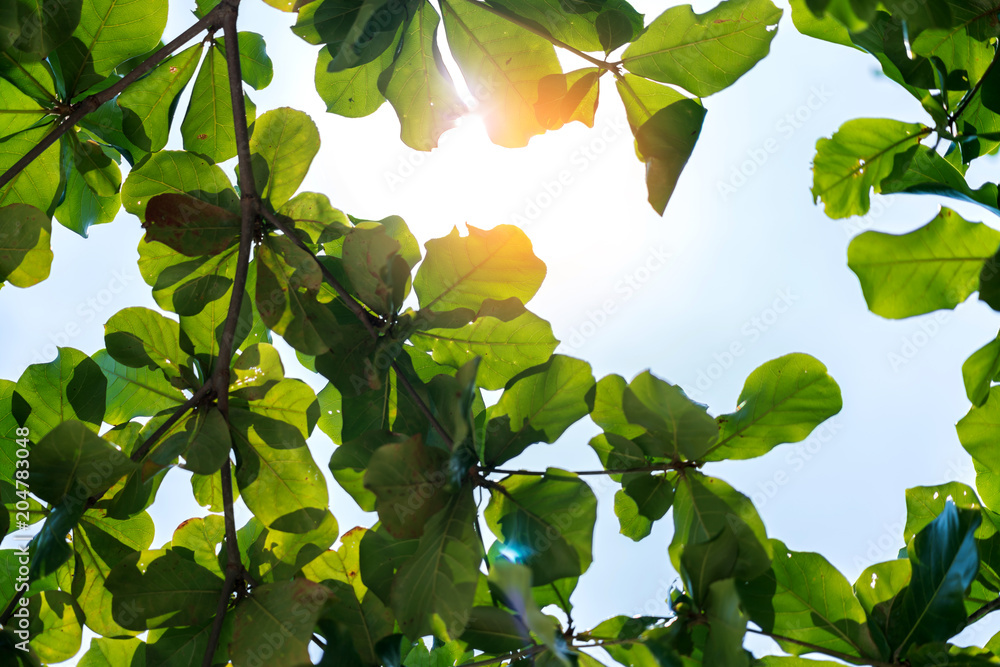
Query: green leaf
x=55, y=626
x=255, y=65
x=142, y=338
x=25, y=255
x=204, y=443
x=494, y=630
x=100, y=543
x=372, y=31
x=162, y=589
x=282, y=147
x=545, y=522
x=584, y=25
x=563, y=98
x=945, y=561
x=643, y=499
x=207, y=127
x=190, y=226
x=704, y=53
x=825, y=27
x=287, y=609
x=277, y=476
x=69, y=387
x=106, y=652
x=39, y=183
x=858, y=158
x=82, y=207
x=275, y=555
x=703, y=507
x=180, y=172
x=980, y=370
x=514, y=583
x=806, y=600
x=537, y=406
x=465, y=271
x=326, y=21
x=727, y=626
x=502, y=64
x=977, y=433
x=433, y=590
x=678, y=427
x=148, y=104
x=418, y=85
x=52, y=25
x=936, y=266
x=782, y=401
x=879, y=589
x=288, y=284
x=112, y=31
x=506, y=345
x=408, y=480
x=930, y=173
x=377, y=272
x=665, y=141
x=926, y=503
x=73, y=461
x=353, y=92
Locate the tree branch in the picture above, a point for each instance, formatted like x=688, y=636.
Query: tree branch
x=249, y=207
x=92, y=102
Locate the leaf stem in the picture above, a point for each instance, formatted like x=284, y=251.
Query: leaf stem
x=518, y=21
x=967, y=99
x=92, y=102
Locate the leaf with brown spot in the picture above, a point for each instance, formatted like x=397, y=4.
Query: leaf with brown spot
x=190, y=226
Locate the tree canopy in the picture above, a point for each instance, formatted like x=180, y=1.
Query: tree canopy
x=437, y=375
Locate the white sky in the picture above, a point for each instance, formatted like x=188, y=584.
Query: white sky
x=735, y=259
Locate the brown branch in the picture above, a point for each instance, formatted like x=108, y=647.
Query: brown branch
x=195, y=399
x=92, y=102
x=990, y=606
x=362, y=314
x=249, y=207
x=662, y=467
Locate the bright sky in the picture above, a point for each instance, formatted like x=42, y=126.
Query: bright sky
x=743, y=268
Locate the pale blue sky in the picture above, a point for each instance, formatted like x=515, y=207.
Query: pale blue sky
x=734, y=260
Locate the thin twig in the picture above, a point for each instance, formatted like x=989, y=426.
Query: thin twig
x=967, y=99
x=852, y=659
x=662, y=467
x=195, y=399
x=990, y=606
x=91, y=103
x=516, y=655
